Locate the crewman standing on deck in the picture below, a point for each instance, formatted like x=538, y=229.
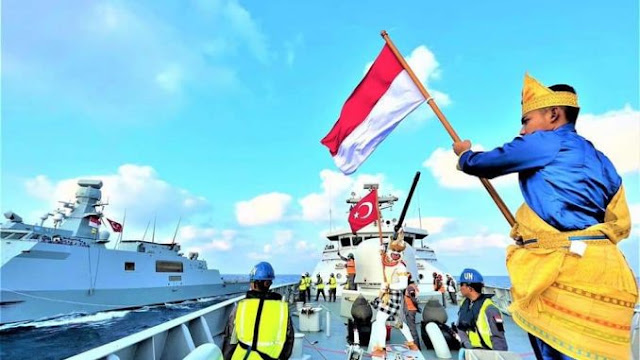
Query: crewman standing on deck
x=302, y=289
x=260, y=326
x=320, y=288
x=333, y=284
x=309, y=282
x=565, y=261
x=351, y=270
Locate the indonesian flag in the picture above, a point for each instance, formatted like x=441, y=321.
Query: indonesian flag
x=383, y=98
x=364, y=212
x=116, y=226
x=94, y=221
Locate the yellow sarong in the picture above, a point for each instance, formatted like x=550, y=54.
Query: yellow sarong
x=579, y=302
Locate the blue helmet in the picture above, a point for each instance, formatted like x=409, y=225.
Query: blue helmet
x=471, y=276
x=262, y=271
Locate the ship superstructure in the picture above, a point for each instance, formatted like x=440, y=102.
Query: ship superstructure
x=344, y=241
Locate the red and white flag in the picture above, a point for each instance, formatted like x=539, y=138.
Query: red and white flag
x=94, y=221
x=383, y=98
x=364, y=212
x=116, y=226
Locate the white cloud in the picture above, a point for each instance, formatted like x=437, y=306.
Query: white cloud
x=139, y=60
x=442, y=164
x=258, y=256
x=40, y=187
x=616, y=134
x=434, y=225
x=243, y=23
x=195, y=238
x=134, y=188
x=263, y=209
x=290, y=49
x=466, y=244
x=336, y=188
x=283, y=237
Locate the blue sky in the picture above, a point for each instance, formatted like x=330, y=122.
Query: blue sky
x=214, y=111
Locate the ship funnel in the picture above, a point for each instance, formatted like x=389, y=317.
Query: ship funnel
x=13, y=217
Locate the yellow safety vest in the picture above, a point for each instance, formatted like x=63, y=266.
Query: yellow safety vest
x=332, y=283
x=482, y=325
x=272, y=329
x=320, y=284
x=308, y=279
x=303, y=284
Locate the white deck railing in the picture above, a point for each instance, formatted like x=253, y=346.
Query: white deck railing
x=176, y=338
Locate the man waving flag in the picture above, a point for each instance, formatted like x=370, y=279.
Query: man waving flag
x=383, y=98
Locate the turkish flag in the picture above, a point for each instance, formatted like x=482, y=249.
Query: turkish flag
x=116, y=226
x=364, y=212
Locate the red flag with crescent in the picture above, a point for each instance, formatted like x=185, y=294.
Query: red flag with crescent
x=364, y=212
x=116, y=226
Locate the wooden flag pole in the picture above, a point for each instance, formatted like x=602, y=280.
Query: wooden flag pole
x=432, y=103
x=384, y=296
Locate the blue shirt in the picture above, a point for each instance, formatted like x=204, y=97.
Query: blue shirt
x=563, y=177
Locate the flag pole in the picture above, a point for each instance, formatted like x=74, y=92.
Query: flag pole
x=385, y=295
x=432, y=103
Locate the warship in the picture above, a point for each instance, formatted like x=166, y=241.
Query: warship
x=67, y=269
x=422, y=257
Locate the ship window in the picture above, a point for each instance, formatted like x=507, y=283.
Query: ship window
x=175, y=278
x=35, y=236
x=357, y=240
x=168, y=266
x=5, y=234
x=129, y=266
x=345, y=241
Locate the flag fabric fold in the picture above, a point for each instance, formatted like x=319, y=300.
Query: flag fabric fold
x=116, y=226
x=364, y=212
x=94, y=221
x=383, y=98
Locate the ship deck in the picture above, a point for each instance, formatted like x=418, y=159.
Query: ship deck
x=320, y=345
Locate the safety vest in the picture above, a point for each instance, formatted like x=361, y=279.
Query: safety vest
x=303, y=284
x=481, y=337
x=272, y=317
x=332, y=283
x=320, y=284
x=351, y=267
x=408, y=300
x=308, y=279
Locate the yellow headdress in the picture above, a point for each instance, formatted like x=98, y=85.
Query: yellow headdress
x=537, y=96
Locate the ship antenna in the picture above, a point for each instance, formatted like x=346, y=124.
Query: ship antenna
x=419, y=215
x=330, y=206
x=153, y=234
x=145, y=230
x=176, y=233
x=124, y=218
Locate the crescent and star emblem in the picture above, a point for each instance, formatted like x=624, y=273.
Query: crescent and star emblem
x=369, y=210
